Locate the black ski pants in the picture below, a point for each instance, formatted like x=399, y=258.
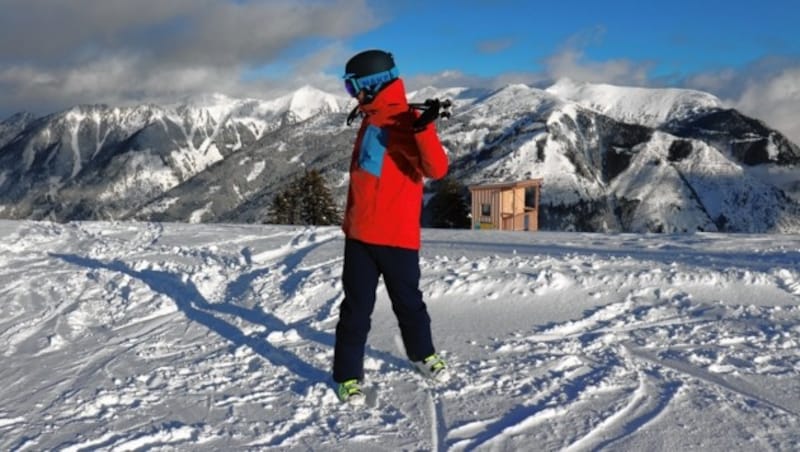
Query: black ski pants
x=363, y=266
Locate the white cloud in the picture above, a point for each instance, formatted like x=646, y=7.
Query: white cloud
x=767, y=89
x=495, y=45
x=454, y=78
x=775, y=101
x=444, y=79
x=193, y=32
x=572, y=63
x=725, y=82
x=114, y=80
x=122, y=51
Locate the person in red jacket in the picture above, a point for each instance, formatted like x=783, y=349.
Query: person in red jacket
x=395, y=149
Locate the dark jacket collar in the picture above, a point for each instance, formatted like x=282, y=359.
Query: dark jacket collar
x=390, y=100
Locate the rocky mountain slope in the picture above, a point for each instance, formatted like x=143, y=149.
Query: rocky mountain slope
x=612, y=158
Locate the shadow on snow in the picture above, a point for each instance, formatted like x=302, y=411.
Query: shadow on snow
x=197, y=309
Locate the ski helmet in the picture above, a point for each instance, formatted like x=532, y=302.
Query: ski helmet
x=370, y=71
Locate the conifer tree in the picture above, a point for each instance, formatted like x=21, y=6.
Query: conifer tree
x=448, y=206
x=305, y=201
x=318, y=206
x=280, y=210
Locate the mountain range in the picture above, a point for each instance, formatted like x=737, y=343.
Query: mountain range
x=612, y=158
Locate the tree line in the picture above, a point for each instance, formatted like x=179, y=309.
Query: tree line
x=307, y=200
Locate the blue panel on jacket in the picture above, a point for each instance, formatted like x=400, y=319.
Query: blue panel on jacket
x=372, y=150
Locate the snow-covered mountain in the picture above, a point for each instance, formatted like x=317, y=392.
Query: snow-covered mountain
x=650, y=107
x=102, y=162
x=694, y=170
x=12, y=126
x=612, y=158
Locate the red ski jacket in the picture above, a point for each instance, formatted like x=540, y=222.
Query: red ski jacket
x=384, y=200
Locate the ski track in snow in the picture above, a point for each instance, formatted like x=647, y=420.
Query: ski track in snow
x=132, y=336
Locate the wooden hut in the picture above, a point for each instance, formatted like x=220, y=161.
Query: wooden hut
x=510, y=206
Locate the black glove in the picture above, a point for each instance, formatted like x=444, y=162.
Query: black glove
x=431, y=113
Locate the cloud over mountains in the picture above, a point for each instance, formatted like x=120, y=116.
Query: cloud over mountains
x=55, y=55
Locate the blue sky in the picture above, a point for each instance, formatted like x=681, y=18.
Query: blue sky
x=54, y=55
x=674, y=39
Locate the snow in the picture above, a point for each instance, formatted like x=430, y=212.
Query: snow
x=143, y=175
x=304, y=103
x=215, y=106
x=650, y=107
x=75, y=119
x=308, y=101
x=460, y=95
x=258, y=168
x=128, y=336
x=197, y=215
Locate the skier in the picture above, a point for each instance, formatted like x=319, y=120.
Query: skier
x=395, y=148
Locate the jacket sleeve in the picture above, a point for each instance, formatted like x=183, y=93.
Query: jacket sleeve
x=433, y=158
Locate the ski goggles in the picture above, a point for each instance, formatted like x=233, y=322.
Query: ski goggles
x=354, y=85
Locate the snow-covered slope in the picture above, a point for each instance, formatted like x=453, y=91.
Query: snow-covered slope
x=12, y=126
x=650, y=107
x=459, y=95
x=126, y=157
x=603, y=174
x=147, y=336
x=309, y=101
x=301, y=104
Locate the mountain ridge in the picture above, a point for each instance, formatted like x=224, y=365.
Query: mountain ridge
x=216, y=158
